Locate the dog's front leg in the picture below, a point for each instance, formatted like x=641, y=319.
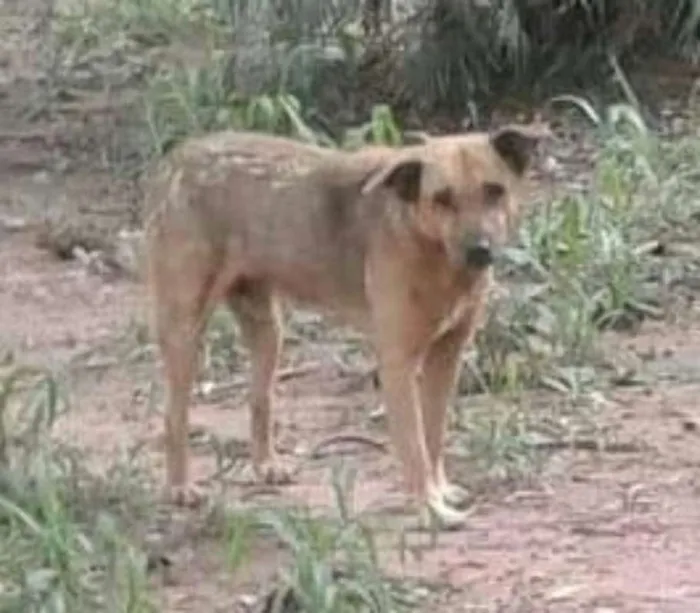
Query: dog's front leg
x=401, y=392
x=438, y=384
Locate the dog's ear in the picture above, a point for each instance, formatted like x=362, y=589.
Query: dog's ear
x=402, y=175
x=516, y=144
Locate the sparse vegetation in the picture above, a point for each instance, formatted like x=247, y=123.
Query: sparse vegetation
x=61, y=524
x=438, y=58
x=598, y=257
x=588, y=261
x=334, y=564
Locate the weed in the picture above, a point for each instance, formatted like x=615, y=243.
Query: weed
x=381, y=129
x=584, y=262
x=498, y=443
x=88, y=24
x=60, y=552
x=185, y=101
x=21, y=423
x=221, y=350
x=334, y=564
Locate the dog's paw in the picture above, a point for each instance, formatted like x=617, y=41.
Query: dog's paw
x=454, y=495
x=442, y=516
x=186, y=496
x=273, y=471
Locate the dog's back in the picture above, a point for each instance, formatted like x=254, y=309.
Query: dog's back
x=268, y=207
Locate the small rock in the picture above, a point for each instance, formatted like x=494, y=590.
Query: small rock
x=248, y=601
x=206, y=388
x=564, y=592
x=689, y=425
x=42, y=177
x=13, y=224
x=127, y=252
x=550, y=164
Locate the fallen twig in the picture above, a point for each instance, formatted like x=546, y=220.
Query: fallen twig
x=586, y=445
x=215, y=392
x=294, y=372
x=317, y=453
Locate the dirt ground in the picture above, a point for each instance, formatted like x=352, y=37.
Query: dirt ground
x=599, y=532
x=613, y=531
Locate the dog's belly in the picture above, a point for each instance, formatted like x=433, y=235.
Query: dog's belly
x=339, y=303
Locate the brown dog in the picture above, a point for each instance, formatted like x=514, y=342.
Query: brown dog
x=396, y=242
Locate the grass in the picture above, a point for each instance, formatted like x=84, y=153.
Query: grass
x=583, y=263
x=61, y=525
x=441, y=59
x=590, y=261
x=70, y=534
x=178, y=55
x=143, y=24
x=185, y=101
x=334, y=561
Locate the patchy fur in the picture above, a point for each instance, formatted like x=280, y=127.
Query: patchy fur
x=397, y=242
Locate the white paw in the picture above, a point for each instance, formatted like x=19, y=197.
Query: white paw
x=442, y=516
x=454, y=495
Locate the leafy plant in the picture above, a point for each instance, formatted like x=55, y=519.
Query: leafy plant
x=87, y=24
x=462, y=57
x=381, y=129
x=30, y=402
x=186, y=101
x=59, y=551
x=582, y=262
x=334, y=564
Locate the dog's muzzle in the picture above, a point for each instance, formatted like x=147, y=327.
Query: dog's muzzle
x=479, y=254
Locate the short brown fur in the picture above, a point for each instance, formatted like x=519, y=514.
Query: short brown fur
x=396, y=242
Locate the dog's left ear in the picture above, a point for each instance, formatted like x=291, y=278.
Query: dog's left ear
x=516, y=144
x=402, y=175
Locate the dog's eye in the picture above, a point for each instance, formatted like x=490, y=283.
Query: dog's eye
x=445, y=198
x=493, y=192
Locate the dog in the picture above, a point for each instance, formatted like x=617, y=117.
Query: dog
x=398, y=242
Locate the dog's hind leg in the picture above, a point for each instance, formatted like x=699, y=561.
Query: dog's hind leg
x=180, y=311
x=259, y=317
x=181, y=272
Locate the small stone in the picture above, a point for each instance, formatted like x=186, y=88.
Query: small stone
x=689, y=425
x=42, y=177
x=13, y=224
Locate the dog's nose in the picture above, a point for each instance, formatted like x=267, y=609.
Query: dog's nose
x=479, y=254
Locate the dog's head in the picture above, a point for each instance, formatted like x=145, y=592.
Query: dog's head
x=461, y=192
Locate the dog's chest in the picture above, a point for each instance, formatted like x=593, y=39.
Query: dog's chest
x=463, y=306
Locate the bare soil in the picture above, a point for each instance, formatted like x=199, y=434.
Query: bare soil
x=600, y=531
